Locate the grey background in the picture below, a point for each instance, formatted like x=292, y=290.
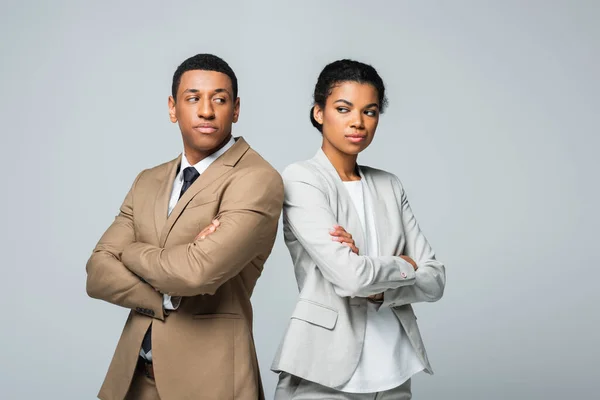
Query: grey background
x=492, y=127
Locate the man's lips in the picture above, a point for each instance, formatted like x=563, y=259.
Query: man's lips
x=205, y=128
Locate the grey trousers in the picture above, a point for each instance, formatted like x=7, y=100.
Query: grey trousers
x=291, y=387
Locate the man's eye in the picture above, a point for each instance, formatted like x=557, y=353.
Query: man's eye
x=220, y=100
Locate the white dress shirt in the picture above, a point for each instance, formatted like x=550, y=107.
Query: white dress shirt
x=172, y=303
x=388, y=359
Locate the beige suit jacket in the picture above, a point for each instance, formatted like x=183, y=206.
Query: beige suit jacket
x=204, y=349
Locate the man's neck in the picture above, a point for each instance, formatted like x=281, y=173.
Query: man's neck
x=194, y=156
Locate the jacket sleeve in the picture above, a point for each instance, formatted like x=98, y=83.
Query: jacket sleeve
x=108, y=279
x=431, y=274
x=249, y=214
x=308, y=215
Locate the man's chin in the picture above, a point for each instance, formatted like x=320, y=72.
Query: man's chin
x=209, y=143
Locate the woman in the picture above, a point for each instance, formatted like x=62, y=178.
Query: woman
x=359, y=255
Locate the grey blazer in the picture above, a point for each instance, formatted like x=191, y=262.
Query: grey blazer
x=325, y=335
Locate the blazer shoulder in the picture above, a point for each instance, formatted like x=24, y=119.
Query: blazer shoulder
x=252, y=162
x=382, y=176
x=149, y=176
x=159, y=170
x=305, y=171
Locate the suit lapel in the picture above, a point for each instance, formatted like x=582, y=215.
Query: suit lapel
x=347, y=214
x=379, y=209
x=161, y=203
x=217, y=169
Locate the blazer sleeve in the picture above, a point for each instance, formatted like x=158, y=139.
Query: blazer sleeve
x=249, y=214
x=308, y=215
x=108, y=279
x=431, y=274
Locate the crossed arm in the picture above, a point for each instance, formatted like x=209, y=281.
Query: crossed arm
x=109, y=279
x=431, y=274
x=406, y=278
x=430, y=277
x=247, y=223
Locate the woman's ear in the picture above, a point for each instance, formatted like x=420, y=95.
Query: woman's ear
x=318, y=114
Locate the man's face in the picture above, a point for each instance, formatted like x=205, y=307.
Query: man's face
x=205, y=110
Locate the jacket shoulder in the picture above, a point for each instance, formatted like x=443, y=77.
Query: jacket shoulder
x=306, y=171
x=252, y=162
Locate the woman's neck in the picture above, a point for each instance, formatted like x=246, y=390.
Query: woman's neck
x=344, y=164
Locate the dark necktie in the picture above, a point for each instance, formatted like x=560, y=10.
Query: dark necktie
x=190, y=174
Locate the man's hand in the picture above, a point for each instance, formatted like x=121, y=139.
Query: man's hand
x=410, y=260
x=208, y=230
x=339, y=234
x=205, y=232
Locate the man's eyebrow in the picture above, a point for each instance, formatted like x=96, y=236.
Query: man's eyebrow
x=219, y=90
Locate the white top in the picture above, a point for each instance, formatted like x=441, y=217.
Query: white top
x=388, y=359
x=168, y=302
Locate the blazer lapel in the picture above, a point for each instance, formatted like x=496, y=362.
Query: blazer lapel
x=347, y=214
x=161, y=203
x=217, y=169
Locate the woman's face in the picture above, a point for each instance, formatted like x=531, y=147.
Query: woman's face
x=350, y=117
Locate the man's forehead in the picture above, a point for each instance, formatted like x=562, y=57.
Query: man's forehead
x=203, y=79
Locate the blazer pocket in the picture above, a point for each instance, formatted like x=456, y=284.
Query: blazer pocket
x=214, y=316
x=202, y=200
x=315, y=313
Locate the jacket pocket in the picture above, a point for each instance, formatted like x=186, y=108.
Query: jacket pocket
x=200, y=200
x=315, y=313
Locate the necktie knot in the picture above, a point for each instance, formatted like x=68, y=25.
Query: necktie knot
x=190, y=174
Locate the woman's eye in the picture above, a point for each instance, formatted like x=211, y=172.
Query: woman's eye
x=371, y=113
x=342, y=110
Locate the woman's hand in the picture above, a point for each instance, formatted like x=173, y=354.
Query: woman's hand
x=339, y=234
x=410, y=260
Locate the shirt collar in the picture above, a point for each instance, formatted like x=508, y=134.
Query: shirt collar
x=203, y=164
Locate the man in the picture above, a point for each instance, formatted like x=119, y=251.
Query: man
x=189, y=332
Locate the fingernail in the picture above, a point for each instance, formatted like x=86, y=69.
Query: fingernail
x=202, y=237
